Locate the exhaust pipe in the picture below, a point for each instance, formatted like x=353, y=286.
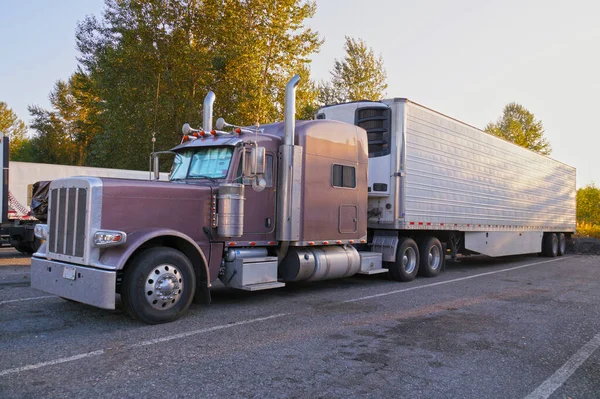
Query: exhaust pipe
x=289, y=111
x=288, y=218
x=207, y=111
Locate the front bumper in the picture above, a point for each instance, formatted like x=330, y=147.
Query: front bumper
x=91, y=286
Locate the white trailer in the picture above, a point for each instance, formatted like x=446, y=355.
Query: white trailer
x=431, y=175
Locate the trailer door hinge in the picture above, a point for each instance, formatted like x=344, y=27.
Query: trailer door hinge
x=401, y=174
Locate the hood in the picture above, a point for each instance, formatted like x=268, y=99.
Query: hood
x=131, y=205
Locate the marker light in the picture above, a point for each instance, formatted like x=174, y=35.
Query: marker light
x=109, y=238
x=41, y=231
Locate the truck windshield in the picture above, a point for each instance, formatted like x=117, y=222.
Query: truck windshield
x=202, y=163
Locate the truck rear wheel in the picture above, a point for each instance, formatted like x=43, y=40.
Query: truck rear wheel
x=158, y=285
x=550, y=245
x=406, y=266
x=562, y=244
x=431, y=257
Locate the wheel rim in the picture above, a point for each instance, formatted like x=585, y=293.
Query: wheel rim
x=563, y=245
x=409, y=260
x=164, y=285
x=434, y=258
x=554, y=244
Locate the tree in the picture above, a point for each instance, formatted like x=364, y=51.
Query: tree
x=65, y=132
x=16, y=130
x=359, y=76
x=153, y=61
x=588, y=205
x=519, y=126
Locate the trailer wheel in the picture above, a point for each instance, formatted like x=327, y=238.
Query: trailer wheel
x=406, y=266
x=158, y=285
x=431, y=256
x=550, y=245
x=562, y=244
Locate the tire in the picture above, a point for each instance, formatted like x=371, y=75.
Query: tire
x=406, y=266
x=562, y=244
x=550, y=245
x=158, y=285
x=431, y=257
x=24, y=249
x=29, y=247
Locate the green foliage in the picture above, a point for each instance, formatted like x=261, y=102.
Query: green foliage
x=588, y=211
x=153, y=61
x=588, y=204
x=16, y=130
x=359, y=76
x=65, y=132
x=588, y=230
x=519, y=126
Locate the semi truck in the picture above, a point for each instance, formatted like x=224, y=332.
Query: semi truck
x=365, y=188
x=17, y=182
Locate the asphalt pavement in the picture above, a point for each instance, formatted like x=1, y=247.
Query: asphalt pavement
x=518, y=327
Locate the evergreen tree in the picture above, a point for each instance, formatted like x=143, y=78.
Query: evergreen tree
x=153, y=61
x=359, y=76
x=519, y=126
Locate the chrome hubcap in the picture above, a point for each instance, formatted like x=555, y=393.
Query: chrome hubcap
x=434, y=258
x=554, y=243
x=164, y=286
x=409, y=260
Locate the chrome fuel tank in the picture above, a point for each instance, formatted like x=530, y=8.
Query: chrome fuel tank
x=319, y=263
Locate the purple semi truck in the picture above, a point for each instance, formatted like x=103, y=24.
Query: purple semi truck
x=256, y=208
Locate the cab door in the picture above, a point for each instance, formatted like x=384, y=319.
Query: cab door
x=260, y=206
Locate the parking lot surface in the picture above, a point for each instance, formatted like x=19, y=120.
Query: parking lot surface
x=518, y=327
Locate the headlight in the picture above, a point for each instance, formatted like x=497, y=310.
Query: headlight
x=108, y=238
x=41, y=231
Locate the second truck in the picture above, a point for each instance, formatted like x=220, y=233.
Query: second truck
x=367, y=187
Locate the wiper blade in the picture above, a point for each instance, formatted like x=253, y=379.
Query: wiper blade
x=205, y=177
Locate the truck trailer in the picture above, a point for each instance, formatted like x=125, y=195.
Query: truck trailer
x=365, y=188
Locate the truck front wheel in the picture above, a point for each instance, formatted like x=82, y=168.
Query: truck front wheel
x=406, y=266
x=158, y=285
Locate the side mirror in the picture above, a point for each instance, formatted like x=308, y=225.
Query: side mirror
x=257, y=161
x=156, y=166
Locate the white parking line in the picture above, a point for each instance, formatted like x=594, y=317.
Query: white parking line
x=144, y=343
x=418, y=287
x=27, y=299
x=562, y=374
x=51, y=362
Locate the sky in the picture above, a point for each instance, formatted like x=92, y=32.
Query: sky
x=464, y=58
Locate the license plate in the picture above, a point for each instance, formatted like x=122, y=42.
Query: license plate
x=69, y=272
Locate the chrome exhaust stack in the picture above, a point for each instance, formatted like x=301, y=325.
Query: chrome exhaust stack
x=207, y=112
x=289, y=192
x=289, y=111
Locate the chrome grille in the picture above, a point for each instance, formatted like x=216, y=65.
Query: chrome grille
x=67, y=221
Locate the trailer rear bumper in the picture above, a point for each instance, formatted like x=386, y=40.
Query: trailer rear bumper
x=79, y=283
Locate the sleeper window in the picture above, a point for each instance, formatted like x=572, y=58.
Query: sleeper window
x=344, y=176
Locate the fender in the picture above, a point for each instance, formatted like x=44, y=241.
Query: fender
x=115, y=258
